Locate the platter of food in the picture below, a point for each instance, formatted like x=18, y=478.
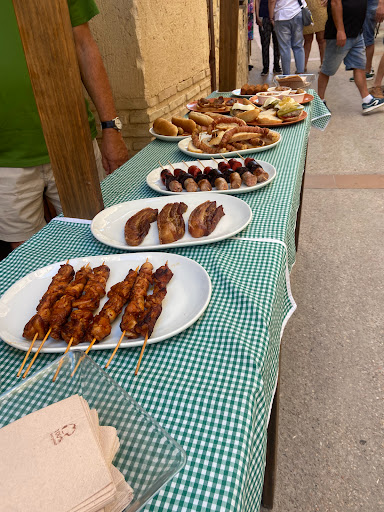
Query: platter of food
x=274, y=122
x=166, y=138
x=180, y=310
x=237, y=92
x=188, y=146
x=307, y=98
x=222, y=176
x=218, y=105
x=248, y=90
x=158, y=223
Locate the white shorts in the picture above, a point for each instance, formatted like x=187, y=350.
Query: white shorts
x=21, y=198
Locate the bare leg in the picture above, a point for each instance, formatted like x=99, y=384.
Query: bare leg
x=369, y=50
x=380, y=73
x=308, y=38
x=360, y=81
x=321, y=42
x=15, y=244
x=322, y=84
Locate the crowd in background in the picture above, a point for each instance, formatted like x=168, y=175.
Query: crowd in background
x=344, y=31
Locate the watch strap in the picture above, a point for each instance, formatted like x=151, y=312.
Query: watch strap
x=108, y=124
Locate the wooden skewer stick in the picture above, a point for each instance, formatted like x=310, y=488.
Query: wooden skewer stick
x=27, y=355
x=62, y=361
x=37, y=352
x=115, y=350
x=162, y=166
x=238, y=154
x=223, y=157
x=141, y=354
x=82, y=357
x=171, y=165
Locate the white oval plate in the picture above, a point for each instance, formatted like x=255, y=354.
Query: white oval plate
x=236, y=92
x=183, y=146
x=167, y=138
x=154, y=179
x=108, y=225
x=188, y=295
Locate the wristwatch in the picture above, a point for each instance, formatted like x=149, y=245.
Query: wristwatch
x=115, y=124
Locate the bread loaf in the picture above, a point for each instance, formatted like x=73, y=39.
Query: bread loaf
x=200, y=119
x=188, y=125
x=164, y=127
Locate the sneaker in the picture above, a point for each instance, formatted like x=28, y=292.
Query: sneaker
x=376, y=91
x=374, y=103
x=368, y=76
x=265, y=72
x=277, y=70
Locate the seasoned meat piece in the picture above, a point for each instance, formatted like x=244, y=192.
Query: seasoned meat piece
x=35, y=325
x=204, y=219
x=171, y=223
x=137, y=227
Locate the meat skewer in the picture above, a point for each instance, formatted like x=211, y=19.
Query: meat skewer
x=136, y=304
x=63, y=307
x=75, y=329
x=39, y=323
x=37, y=326
x=82, y=317
x=153, y=310
x=101, y=327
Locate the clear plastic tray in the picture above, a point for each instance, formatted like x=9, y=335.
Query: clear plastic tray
x=148, y=457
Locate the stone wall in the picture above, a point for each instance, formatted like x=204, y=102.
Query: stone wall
x=156, y=54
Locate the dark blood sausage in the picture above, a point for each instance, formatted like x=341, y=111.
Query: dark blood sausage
x=164, y=173
x=235, y=180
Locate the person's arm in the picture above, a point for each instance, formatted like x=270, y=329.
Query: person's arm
x=257, y=10
x=271, y=8
x=337, y=15
x=380, y=12
x=113, y=150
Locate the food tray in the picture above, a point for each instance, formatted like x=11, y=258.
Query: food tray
x=148, y=457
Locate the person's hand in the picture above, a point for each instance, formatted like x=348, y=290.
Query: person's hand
x=259, y=21
x=341, y=38
x=113, y=150
x=380, y=13
x=272, y=21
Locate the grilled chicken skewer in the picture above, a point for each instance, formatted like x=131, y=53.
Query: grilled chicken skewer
x=118, y=295
x=39, y=323
x=136, y=304
x=82, y=317
x=63, y=307
x=153, y=309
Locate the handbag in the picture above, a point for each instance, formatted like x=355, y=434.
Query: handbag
x=307, y=15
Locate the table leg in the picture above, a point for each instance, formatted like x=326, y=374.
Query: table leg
x=297, y=229
x=271, y=457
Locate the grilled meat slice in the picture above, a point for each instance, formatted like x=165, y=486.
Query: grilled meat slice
x=137, y=227
x=204, y=219
x=170, y=222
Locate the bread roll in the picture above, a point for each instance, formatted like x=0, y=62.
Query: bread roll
x=188, y=125
x=268, y=117
x=164, y=127
x=249, y=116
x=200, y=119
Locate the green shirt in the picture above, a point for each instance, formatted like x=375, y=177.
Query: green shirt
x=22, y=141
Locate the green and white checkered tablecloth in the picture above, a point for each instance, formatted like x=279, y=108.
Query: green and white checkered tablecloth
x=211, y=387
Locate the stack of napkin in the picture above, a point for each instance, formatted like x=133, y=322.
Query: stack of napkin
x=60, y=459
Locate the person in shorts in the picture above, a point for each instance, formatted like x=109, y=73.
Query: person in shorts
x=345, y=43
x=25, y=169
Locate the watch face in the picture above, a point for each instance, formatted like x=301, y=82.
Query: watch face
x=118, y=123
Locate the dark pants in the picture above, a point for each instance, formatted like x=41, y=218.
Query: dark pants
x=265, y=36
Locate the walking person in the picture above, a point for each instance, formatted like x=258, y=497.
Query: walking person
x=266, y=31
x=318, y=9
x=344, y=42
x=287, y=18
